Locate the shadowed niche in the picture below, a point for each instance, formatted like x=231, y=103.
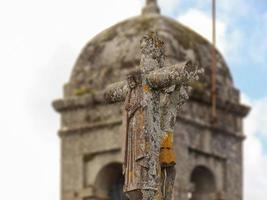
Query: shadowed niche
x=109, y=182
x=204, y=185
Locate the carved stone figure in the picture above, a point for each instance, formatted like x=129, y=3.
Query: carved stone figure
x=150, y=112
x=171, y=99
x=142, y=169
x=137, y=164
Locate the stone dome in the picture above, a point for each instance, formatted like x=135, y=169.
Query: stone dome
x=111, y=54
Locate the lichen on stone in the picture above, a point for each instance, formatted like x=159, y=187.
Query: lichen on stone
x=83, y=90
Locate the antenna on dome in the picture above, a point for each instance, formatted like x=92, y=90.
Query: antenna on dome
x=151, y=7
x=213, y=66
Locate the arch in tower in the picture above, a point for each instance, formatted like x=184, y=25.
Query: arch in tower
x=204, y=183
x=109, y=182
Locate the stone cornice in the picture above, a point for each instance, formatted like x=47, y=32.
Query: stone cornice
x=223, y=104
x=78, y=102
x=215, y=129
x=207, y=154
x=89, y=127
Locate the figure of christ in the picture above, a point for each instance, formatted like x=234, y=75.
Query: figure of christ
x=172, y=98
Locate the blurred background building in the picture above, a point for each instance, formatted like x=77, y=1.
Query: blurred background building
x=209, y=155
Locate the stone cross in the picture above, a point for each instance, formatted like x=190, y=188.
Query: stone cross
x=152, y=96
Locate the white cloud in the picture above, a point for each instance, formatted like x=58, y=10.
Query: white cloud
x=169, y=6
x=200, y=22
x=229, y=7
x=257, y=121
x=237, y=7
x=258, y=41
x=255, y=160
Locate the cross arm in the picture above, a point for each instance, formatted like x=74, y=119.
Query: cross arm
x=116, y=92
x=179, y=74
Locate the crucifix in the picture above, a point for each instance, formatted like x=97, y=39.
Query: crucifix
x=152, y=94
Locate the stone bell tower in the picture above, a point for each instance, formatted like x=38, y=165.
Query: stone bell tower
x=209, y=156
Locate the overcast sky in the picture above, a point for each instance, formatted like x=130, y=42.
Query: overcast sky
x=39, y=42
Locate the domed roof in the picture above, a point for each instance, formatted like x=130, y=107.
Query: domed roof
x=111, y=54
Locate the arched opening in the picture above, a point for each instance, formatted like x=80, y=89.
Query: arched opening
x=109, y=182
x=204, y=185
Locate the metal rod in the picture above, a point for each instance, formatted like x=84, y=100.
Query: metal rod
x=213, y=64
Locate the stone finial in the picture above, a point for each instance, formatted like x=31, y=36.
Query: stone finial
x=151, y=7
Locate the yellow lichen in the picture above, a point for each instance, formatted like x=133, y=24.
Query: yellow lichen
x=146, y=88
x=198, y=86
x=83, y=90
x=167, y=154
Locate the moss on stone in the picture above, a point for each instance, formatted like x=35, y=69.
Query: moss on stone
x=198, y=86
x=83, y=90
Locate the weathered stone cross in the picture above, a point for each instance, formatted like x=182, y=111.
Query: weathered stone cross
x=152, y=96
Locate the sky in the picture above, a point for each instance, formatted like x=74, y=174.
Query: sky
x=39, y=43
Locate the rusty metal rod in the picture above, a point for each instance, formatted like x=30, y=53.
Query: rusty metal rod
x=213, y=64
